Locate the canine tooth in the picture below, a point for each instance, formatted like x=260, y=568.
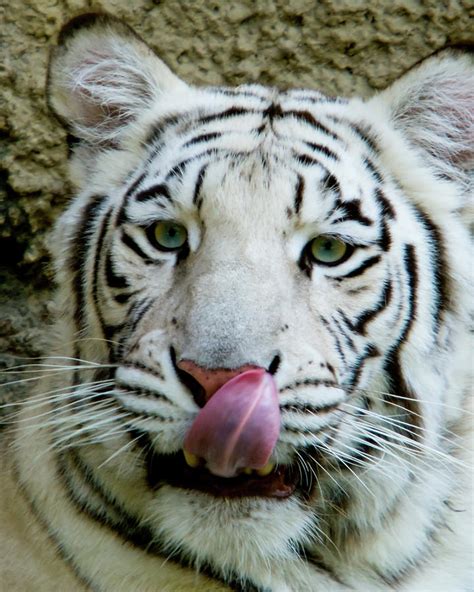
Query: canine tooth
x=191, y=459
x=266, y=470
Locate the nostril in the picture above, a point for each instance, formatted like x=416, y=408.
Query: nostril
x=274, y=365
x=197, y=391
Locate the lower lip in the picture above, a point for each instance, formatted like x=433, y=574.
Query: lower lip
x=172, y=470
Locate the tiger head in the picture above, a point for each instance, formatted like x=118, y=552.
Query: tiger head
x=277, y=280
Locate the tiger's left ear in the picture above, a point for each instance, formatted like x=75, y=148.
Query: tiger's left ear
x=433, y=106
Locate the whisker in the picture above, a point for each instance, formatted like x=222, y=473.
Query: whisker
x=38, y=367
x=406, y=453
x=66, y=419
x=58, y=394
x=82, y=401
x=334, y=452
x=120, y=450
x=395, y=396
x=48, y=372
x=88, y=428
x=369, y=463
x=406, y=427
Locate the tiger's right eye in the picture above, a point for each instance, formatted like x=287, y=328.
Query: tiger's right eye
x=169, y=235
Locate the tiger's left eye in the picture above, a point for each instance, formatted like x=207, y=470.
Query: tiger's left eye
x=169, y=235
x=328, y=250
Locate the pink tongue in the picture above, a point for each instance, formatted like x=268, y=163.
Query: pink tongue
x=239, y=426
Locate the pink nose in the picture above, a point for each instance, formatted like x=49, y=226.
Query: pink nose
x=211, y=380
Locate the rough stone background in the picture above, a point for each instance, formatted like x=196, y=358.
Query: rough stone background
x=339, y=46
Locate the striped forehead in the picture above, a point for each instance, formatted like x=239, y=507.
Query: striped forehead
x=255, y=131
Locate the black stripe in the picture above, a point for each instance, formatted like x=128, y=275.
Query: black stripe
x=144, y=414
x=337, y=341
x=124, y=297
x=308, y=118
x=155, y=192
x=370, y=352
x=95, y=279
x=132, y=245
x=121, y=217
x=329, y=182
x=232, y=112
x=309, y=382
x=384, y=240
x=143, y=392
x=411, y=269
x=236, y=92
x=137, y=311
x=320, y=148
x=313, y=97
x=306, y=160
x=134, y=185
x=373, y=170
x=365, y=135
x=384, y=203
x=403, y=397
x=202, y=138
x=78, y=258
x=273, y=111
x=299, y=194
x=369, y=315
x=302, y=408
x=160, y=127
x=112, y=278
x=362, y=267
x=97, y=256
x=349, y=324
x=197, y=199
x=135, y=365
x=397, y=383
x=343, y=332
x=440, y=267
x=111, y=330
x=350, y=210
x=178, y=170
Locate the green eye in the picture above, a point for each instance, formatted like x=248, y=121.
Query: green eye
x=328, y=250
x=169, y=235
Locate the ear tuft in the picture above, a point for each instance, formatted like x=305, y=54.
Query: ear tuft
x=102, y=76
x=433, y=105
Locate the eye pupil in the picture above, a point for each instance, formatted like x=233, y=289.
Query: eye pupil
x=169, y=235
x=328, y=245
x=328, y=250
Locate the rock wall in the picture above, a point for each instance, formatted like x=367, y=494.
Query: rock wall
x=339, y=46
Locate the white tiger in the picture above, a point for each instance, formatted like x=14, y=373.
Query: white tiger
x=260, y=373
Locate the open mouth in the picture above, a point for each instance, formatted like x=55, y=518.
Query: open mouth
x=172, y=469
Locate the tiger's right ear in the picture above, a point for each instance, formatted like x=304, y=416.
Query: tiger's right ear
x=103, y=76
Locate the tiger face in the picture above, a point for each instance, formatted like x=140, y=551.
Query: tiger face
x=270, y=278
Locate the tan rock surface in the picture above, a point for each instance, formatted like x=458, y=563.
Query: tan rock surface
x=339, y=46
